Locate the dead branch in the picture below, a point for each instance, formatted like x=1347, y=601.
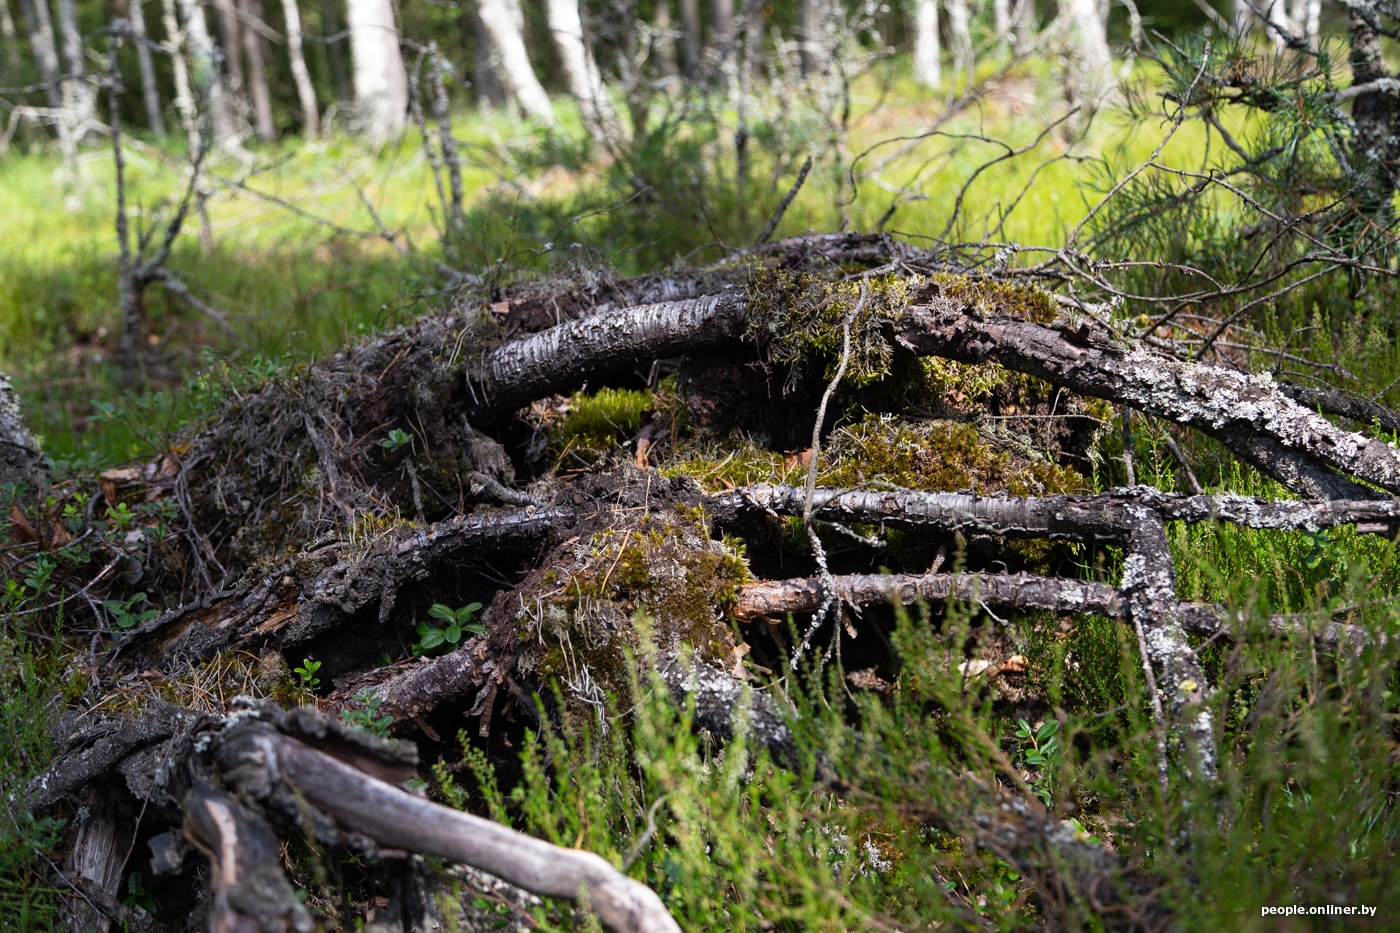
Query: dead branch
x=337, y=777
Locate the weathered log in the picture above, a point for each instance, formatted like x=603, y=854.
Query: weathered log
x=329, y=584
x=257, y=755
x=1247, y=413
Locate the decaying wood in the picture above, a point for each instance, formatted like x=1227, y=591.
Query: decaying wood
x=21, y=461
x=292, y=534
x=270, y=759
x=771, y=599
x=250, y=892
x=96, y=862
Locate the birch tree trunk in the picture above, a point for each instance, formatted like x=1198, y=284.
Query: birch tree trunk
x=254, y=47
x=79, y=97
x=960, y=38
x=928, y=68
x=306, y=91
x=150, y=92
x=722, y=39
x=490, y=87
x=1001, y=21
x=1086, y=43
x=184, y=94
x=501, y=20
x=809, y=28
x=40, y=25
x=381, y=82
x=208, y=77
x=581, y=69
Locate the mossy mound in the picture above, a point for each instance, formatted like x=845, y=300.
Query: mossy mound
x=576, y=615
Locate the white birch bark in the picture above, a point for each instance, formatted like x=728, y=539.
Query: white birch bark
x=150, y=92
x=41, y=41
x=928, y=67
x=184, y=93
x=1086, y=43
x=502, y=25
x=381, y=81
x=960, y=38
x=722, y=39
x=79, y=97
x=581, y=69
x=208, y=79
x=809, y=34
x=306, y=91
x=1001, y=21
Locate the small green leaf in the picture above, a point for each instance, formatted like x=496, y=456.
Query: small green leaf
x=445, y=613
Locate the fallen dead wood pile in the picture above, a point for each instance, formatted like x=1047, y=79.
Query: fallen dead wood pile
x=307, y=528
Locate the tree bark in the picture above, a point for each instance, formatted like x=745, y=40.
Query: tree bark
x=581, y=70
x=184, y=94
x=21, y=460
x=928, y=66
x=691, y=40
x=41, y=42
x=809, y=37
x=306, y=92
x=1375, y=144
x=501, y=20
x=150, y=93
x=960, y=39
x=721, y=46
x=225, y=128
x=254, y=48
x=381, y=81
x=79, y=97
x=1090, y=70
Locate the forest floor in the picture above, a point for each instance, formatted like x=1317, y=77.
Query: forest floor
x=377, y=500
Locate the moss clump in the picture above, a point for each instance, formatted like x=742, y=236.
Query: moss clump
x=598, y=422
x=996, y=298
x=938, y=456
x=581, y=634
x=799, y=316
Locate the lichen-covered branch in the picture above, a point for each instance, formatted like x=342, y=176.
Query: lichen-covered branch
x=1247, y=413
x=1102, y=516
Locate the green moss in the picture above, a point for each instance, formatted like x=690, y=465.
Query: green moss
x=598, y=422
x=937, y=456
x=583, y=635
x=801, y=316
x=997, y=299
